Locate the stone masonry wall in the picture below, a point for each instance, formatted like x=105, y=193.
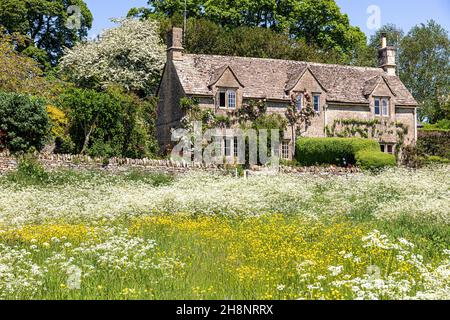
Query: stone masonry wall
x=55, y=161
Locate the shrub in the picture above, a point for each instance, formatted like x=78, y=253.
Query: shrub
x=29, y=172
x=339, y=151
x=434, y=143
x=374, y=160
x=435, y=160
x=410, y=157
x=24, y=123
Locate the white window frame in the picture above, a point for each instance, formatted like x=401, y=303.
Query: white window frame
x=231, y=95
x=227, y=93
x=385, y=107
x=285, y=150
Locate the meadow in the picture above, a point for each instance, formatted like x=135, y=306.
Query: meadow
x=92, y=235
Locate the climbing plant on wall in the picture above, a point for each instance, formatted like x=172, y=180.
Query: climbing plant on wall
x=372, y=129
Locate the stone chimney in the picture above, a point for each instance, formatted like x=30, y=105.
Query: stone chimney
x=175, y=44
x=386, y=57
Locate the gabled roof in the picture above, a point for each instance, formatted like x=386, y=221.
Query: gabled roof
x=295, y=77
x=372, y=84
x=218, y=73
x=269, y=78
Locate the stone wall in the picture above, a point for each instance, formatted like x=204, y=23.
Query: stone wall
x=76, y=162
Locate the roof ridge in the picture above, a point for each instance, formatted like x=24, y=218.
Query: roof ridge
x=286, y=60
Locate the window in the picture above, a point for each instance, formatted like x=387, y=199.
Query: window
x=299, y=101
x=387, y=148
x=227, y=99
x=285, y=150
x=222, y=99
x=316, y=102
x=227, y=147
x=231, y=99
x=385, y=107
x=377, y=106
x=236, y=147
x=381, y=107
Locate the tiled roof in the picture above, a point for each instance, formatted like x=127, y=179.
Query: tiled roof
x=271, y=78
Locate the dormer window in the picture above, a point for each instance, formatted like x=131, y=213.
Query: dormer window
x=381, y=107
x=227, y=99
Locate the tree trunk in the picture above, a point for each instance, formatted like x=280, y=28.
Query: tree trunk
x=88, y=137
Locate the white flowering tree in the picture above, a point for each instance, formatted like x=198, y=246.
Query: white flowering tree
x=131, y=55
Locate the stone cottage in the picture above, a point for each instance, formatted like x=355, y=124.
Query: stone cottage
x=348, y=100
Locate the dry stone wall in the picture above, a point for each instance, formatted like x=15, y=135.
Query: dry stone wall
x=76, y=162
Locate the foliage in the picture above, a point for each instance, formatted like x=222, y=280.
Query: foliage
x=44, y=22
x=24, y=122
x=110, y=123
x=425, y=69
x=207, y=37
x=443, y=124
x=18, y=73
x=434, y=143
x=369, y=129
x=436, y=160
x=130, y=55
x=338, y=151
x=316, y=23
x=374, y=160
x=410, y=157
x=367, y=55
x=29, y=171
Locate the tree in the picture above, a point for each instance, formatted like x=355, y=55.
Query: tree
x=425, y=69
x=367, y=56
x=297, y=118
x=131, y=55
x=45, y=23
x=110, y=123
x=18, y=73
x=207, y=37
x=317, y=22
x=24, y=123
x=321, y=22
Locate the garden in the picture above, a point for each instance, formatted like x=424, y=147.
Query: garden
x=135, y=235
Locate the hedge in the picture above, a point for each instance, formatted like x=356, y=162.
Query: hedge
x=317, y=151
x=373, y=160
x=434, y=143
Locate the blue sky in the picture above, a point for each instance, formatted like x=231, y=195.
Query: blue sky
x=403, y=13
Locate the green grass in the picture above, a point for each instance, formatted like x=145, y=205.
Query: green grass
x=304, y=251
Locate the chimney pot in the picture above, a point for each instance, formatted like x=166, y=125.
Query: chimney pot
x=387, y=57
x=383, y=40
